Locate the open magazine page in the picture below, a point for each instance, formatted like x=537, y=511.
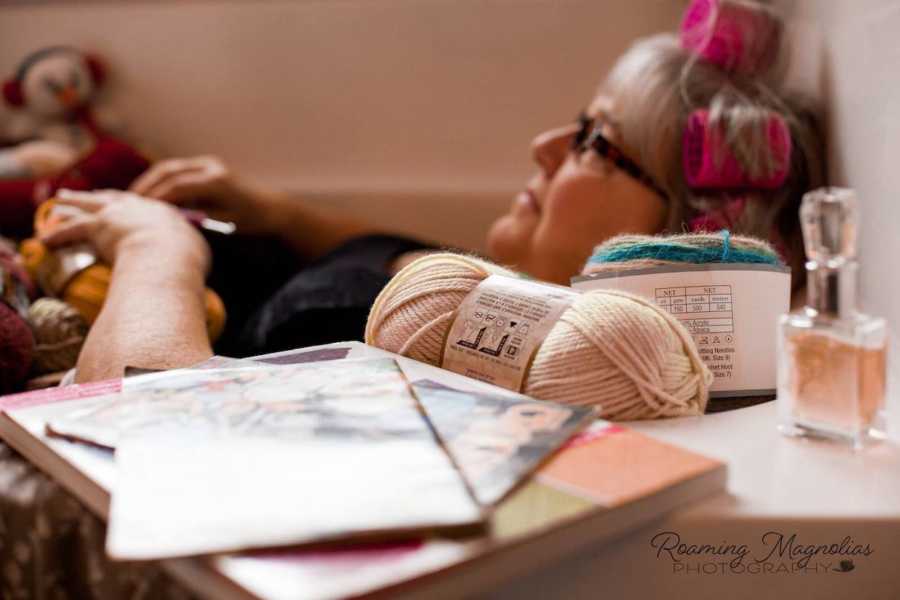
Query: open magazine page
x=212, y=460
x=497, y=441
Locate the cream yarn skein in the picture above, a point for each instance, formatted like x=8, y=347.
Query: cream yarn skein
x=609, y=349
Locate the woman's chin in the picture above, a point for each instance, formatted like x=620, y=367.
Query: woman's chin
x=503, y=244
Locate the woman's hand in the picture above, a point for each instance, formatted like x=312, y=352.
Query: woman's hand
x=116, y=222
x=153, y=313
x=205, y=183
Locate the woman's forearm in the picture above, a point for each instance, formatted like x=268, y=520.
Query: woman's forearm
x=153, y=316
x=310, y=230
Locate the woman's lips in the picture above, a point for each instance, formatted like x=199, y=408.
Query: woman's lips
x=527, y=200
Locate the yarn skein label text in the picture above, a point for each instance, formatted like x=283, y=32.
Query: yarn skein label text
x=499, y=326
x=731, y=312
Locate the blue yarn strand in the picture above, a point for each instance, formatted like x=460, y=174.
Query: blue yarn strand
x=685, y=254
x=726, y=243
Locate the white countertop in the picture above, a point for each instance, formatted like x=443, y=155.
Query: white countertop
x=810, y=492
x=772, y=475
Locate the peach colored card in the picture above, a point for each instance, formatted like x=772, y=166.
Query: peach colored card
x=611, y=465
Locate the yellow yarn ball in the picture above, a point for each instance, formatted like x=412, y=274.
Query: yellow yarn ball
x=86, y=290
x=43, y=217
x=616, y=351
x=215, y=315
x=33, y=253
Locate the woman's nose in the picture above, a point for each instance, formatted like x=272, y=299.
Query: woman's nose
x=550, y=148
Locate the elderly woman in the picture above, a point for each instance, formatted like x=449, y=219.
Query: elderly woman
x=617, y=169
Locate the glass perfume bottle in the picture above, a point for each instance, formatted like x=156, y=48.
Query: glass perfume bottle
x=831, y=358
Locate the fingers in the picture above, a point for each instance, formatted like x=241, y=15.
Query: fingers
x=87, y=201
x=155, y=177
x=180, y=189
x=76, y=229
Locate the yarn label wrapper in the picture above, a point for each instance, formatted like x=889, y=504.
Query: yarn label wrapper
x=63, y=265
x=499, y=327
x=731, y=311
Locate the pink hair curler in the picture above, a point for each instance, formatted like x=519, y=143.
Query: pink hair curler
x=724, y=217
x=709, y=163
x=736, y=37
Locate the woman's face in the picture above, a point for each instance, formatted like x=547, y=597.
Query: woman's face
x=574, y=202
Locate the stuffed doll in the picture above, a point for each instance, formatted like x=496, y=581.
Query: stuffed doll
x=56, y=87
x=53, y=89
x=111, y=164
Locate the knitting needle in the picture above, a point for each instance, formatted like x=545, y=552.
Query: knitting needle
x=199, y=219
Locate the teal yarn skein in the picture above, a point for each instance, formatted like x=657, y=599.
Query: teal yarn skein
x=626, y=252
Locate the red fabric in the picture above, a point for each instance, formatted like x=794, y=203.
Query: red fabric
x=9, y=263
x=16, y=350
x=17, y=206
x=112, y=164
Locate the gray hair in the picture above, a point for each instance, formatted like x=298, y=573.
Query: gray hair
x=656, y=85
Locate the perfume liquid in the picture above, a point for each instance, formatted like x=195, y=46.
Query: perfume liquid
x=832, y=359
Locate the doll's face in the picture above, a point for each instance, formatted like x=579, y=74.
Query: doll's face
x=57, y=84
x=574, y=202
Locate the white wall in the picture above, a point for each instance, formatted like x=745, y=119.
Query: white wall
x=419, y=112
x=400, y=103
x=856, y=73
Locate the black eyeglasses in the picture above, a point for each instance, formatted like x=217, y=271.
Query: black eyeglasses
x=590, y=136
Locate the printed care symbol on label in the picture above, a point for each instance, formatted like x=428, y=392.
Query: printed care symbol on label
x=490, y=331
x=473, y=330
x=495, y=351
x=487, y=333
x=495, y=337
x=473, y=344
x=728, y=339
x=704, y=340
